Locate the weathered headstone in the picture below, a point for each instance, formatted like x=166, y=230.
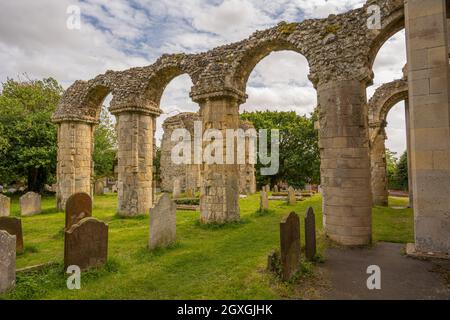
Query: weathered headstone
x=99, y=187
x=163, y=223
x=114, y=188
x=7, y=261
x=176, y=189
x=275, y=188
x=13, y=226
x=86, y=244
x=264, y=201
x=290, y=245
x=78, y=207
x=292, y=200
x=30, y=204
x=189, y=193
x=310, y=234
x=5, y=205
x=268, y=188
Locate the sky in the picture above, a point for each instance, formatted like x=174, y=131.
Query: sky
x=35, y=42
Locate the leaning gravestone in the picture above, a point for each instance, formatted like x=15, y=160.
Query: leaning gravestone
x=163, y=223
x=30, y=204
x=7, y=261
x=13, y=226
x=176, y=189
x=310, y=234
x=292, y=200
x=264, y=201
x=78, y=207
x=5, y=205
x=290, y=245
x=86, y=244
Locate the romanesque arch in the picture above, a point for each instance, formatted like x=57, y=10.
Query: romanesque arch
x=383, y=100
x=340, y=50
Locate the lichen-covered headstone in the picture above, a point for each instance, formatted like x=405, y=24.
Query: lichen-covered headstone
x=163, y=221
x=290, y=245
x=30, y=204
x=264, y=201
x=7, y=261
x=78, y=207
x=176, y=189
x=292, y=200
x=86, y=244
x=5, y=205
x=13, y=226
x=310, y=234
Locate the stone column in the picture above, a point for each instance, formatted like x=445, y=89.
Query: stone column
x=135, y=162
x=378, y=165
x=219, y=192
x=345, y=164
x=408, y=152
x=74, y=168
x=429, y=108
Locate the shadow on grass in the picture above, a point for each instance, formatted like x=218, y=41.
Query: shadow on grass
x=36, y=284
x=144, y=254
x=221, y=226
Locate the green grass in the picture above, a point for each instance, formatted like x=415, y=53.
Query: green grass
x=207, y=262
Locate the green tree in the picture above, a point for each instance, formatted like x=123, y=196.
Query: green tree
x=401, y=172
x=299, y=148
x=28, y=136
x=391, y=167
x=105, y=145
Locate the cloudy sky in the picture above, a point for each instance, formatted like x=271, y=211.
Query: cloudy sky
x=116, y=35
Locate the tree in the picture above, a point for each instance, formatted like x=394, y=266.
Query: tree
x=28, y=140
x=105, y=145
x=401, y=172
x=391, y=167
x=299, y=148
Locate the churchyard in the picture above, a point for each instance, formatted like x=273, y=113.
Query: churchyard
x=205, y=262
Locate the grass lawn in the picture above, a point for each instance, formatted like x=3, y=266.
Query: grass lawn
x=208, y=262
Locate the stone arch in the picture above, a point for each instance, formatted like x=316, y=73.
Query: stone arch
x=392, y=21
x=379, y=105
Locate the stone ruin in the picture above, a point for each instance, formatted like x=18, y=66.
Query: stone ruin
x=189, y=175
x=340, y=50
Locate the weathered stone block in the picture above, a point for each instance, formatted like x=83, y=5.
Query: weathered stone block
x=5, y=204
x=7, y=261
x=30, y=204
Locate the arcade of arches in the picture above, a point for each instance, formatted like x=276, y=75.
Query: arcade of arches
x=340, y=51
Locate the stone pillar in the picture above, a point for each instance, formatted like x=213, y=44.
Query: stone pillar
x=74, y=168
x=219, y=192
x=345, y=165
x=378, y=165
x=429, y=108
x=135, y=163
x=408, y=152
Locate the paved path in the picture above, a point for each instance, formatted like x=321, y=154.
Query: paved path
x=401, y=277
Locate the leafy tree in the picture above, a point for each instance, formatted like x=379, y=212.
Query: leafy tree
x=299, y=149
x=391, y=167
x=28, y=136
x=401, y=172
x=105, y=145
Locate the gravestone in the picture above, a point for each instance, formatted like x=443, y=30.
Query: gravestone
x=86, y=244
x=78, y=207
x=310, y=234
x=176, y=189
x=292, y=200
x=30, y=204
x=189, y=193
x=7, y=261
x=163, y=223
x=264, y=201
x=13, y=226
x=275, y=189
x=99, y=187
x=5, y=205
x=268, y=188
x=290, y=245
x=114, y=188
